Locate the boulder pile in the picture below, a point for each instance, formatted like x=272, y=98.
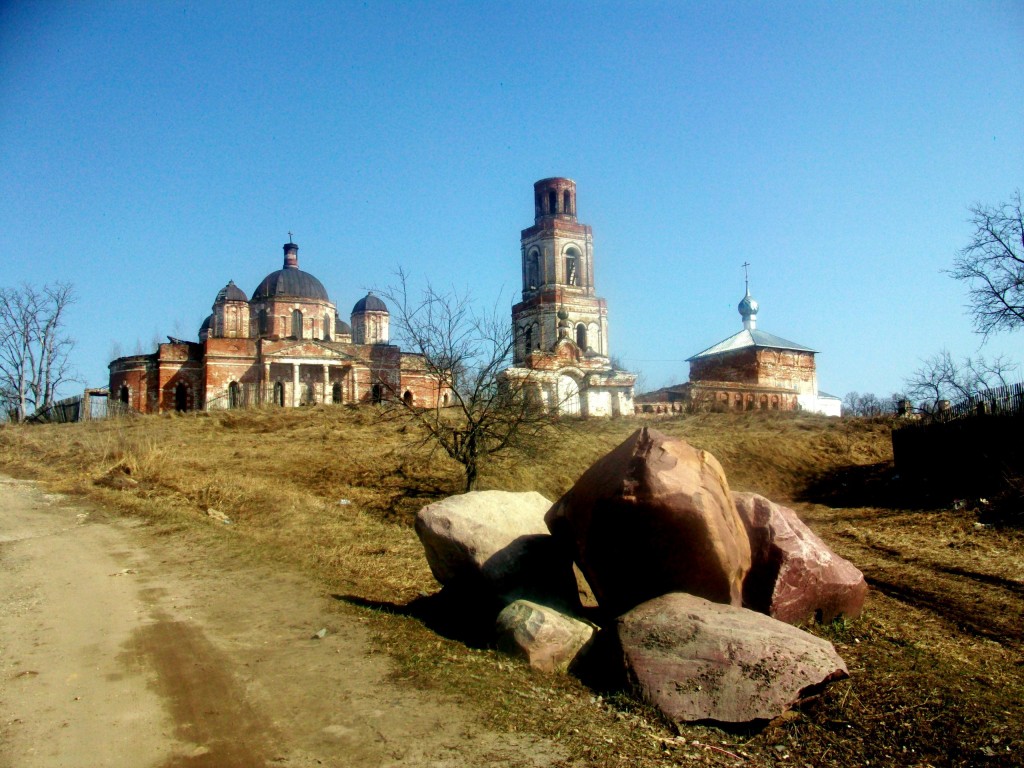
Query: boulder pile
x=698, y=586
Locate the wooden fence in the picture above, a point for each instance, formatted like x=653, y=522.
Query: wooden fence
x=972, y=448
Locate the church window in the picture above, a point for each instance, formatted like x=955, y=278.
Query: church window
x=581, y=336
x=123, y=395
x=279, y=393
x=566, y=202
x=407, y=399
x=261, y=321
x=327, y=327
x=552, y=202
x=528, y=340
x=572, y=264
x=377, y=394
x=234, y=395
x=297, y=324
x=533, y=270
x=336, y=392
x=181, y=397
x=539, y=203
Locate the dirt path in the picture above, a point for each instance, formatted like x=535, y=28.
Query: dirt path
x=122, y=648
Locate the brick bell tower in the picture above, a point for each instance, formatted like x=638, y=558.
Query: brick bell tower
x=558, y=282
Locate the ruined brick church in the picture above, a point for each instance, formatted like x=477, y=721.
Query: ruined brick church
x=287, y=345
x=752, y=370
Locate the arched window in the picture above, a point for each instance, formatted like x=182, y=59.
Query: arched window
x=181, y=397
x=234, y=395
x=528, y=340
x=444, y=400
x=552, y=202
x=566, y=202
x=533, y=270
x=296, y=324
x=123, y=394
x=377, y=394
x=539, y=204
x=572, y=267
x=279, y=393
x=336, y=392
x=327, y=327
x=581, y=336
x=407, y=399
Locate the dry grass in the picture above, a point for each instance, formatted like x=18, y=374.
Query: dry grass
x=938, y=671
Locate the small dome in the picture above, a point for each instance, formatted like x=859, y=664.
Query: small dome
x=369, y=303
x=292, y=283
x=230, y=292
x=341, y=328
x=204, y=329
x=748, y=306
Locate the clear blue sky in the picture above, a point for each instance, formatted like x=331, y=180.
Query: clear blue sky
x=150, y=152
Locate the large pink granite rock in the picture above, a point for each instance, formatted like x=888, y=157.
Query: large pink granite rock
x=654, y=516
x=793, y=574
x=549, y=640
x=701, y=661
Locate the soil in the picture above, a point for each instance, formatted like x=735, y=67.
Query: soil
x=123, y=647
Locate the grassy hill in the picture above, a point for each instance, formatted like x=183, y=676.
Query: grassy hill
x=938, y=672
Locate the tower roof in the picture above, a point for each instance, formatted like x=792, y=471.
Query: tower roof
x=751, y=338
x=369, y=303
x=230, y=292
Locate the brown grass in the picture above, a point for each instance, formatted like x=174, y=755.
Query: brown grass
x=936, y=659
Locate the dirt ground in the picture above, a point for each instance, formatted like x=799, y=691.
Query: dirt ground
x=119, y=647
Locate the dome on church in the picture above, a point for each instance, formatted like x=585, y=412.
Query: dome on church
x=230, y=292
x=369, y=303
x=341, y=328
x=748, y=306
x=290, y=282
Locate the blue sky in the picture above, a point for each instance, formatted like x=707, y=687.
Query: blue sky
x=150, y=152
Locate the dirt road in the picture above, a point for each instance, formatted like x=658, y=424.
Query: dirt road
x=120, y=648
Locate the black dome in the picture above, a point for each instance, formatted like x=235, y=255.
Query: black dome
x=230, y=292
x=291, y=282
x=206, y=324
x=369, y=303
x=341, y=327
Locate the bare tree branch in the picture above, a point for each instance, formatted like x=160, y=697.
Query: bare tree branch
x=940, y=377
x=465, y=350
x=34, y=347
x=992, y=266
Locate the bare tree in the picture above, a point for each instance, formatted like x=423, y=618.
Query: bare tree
x=867, y=404
x=941, y=377
x=992, y=265
x=465, y=351
x=34, y=346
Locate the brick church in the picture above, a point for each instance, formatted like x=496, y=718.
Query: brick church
x=561, y=325
x=286, y=345
x=752, y=370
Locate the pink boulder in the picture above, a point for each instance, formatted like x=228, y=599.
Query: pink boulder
x=701, y=661
x=654, y=516
x=793, y=574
